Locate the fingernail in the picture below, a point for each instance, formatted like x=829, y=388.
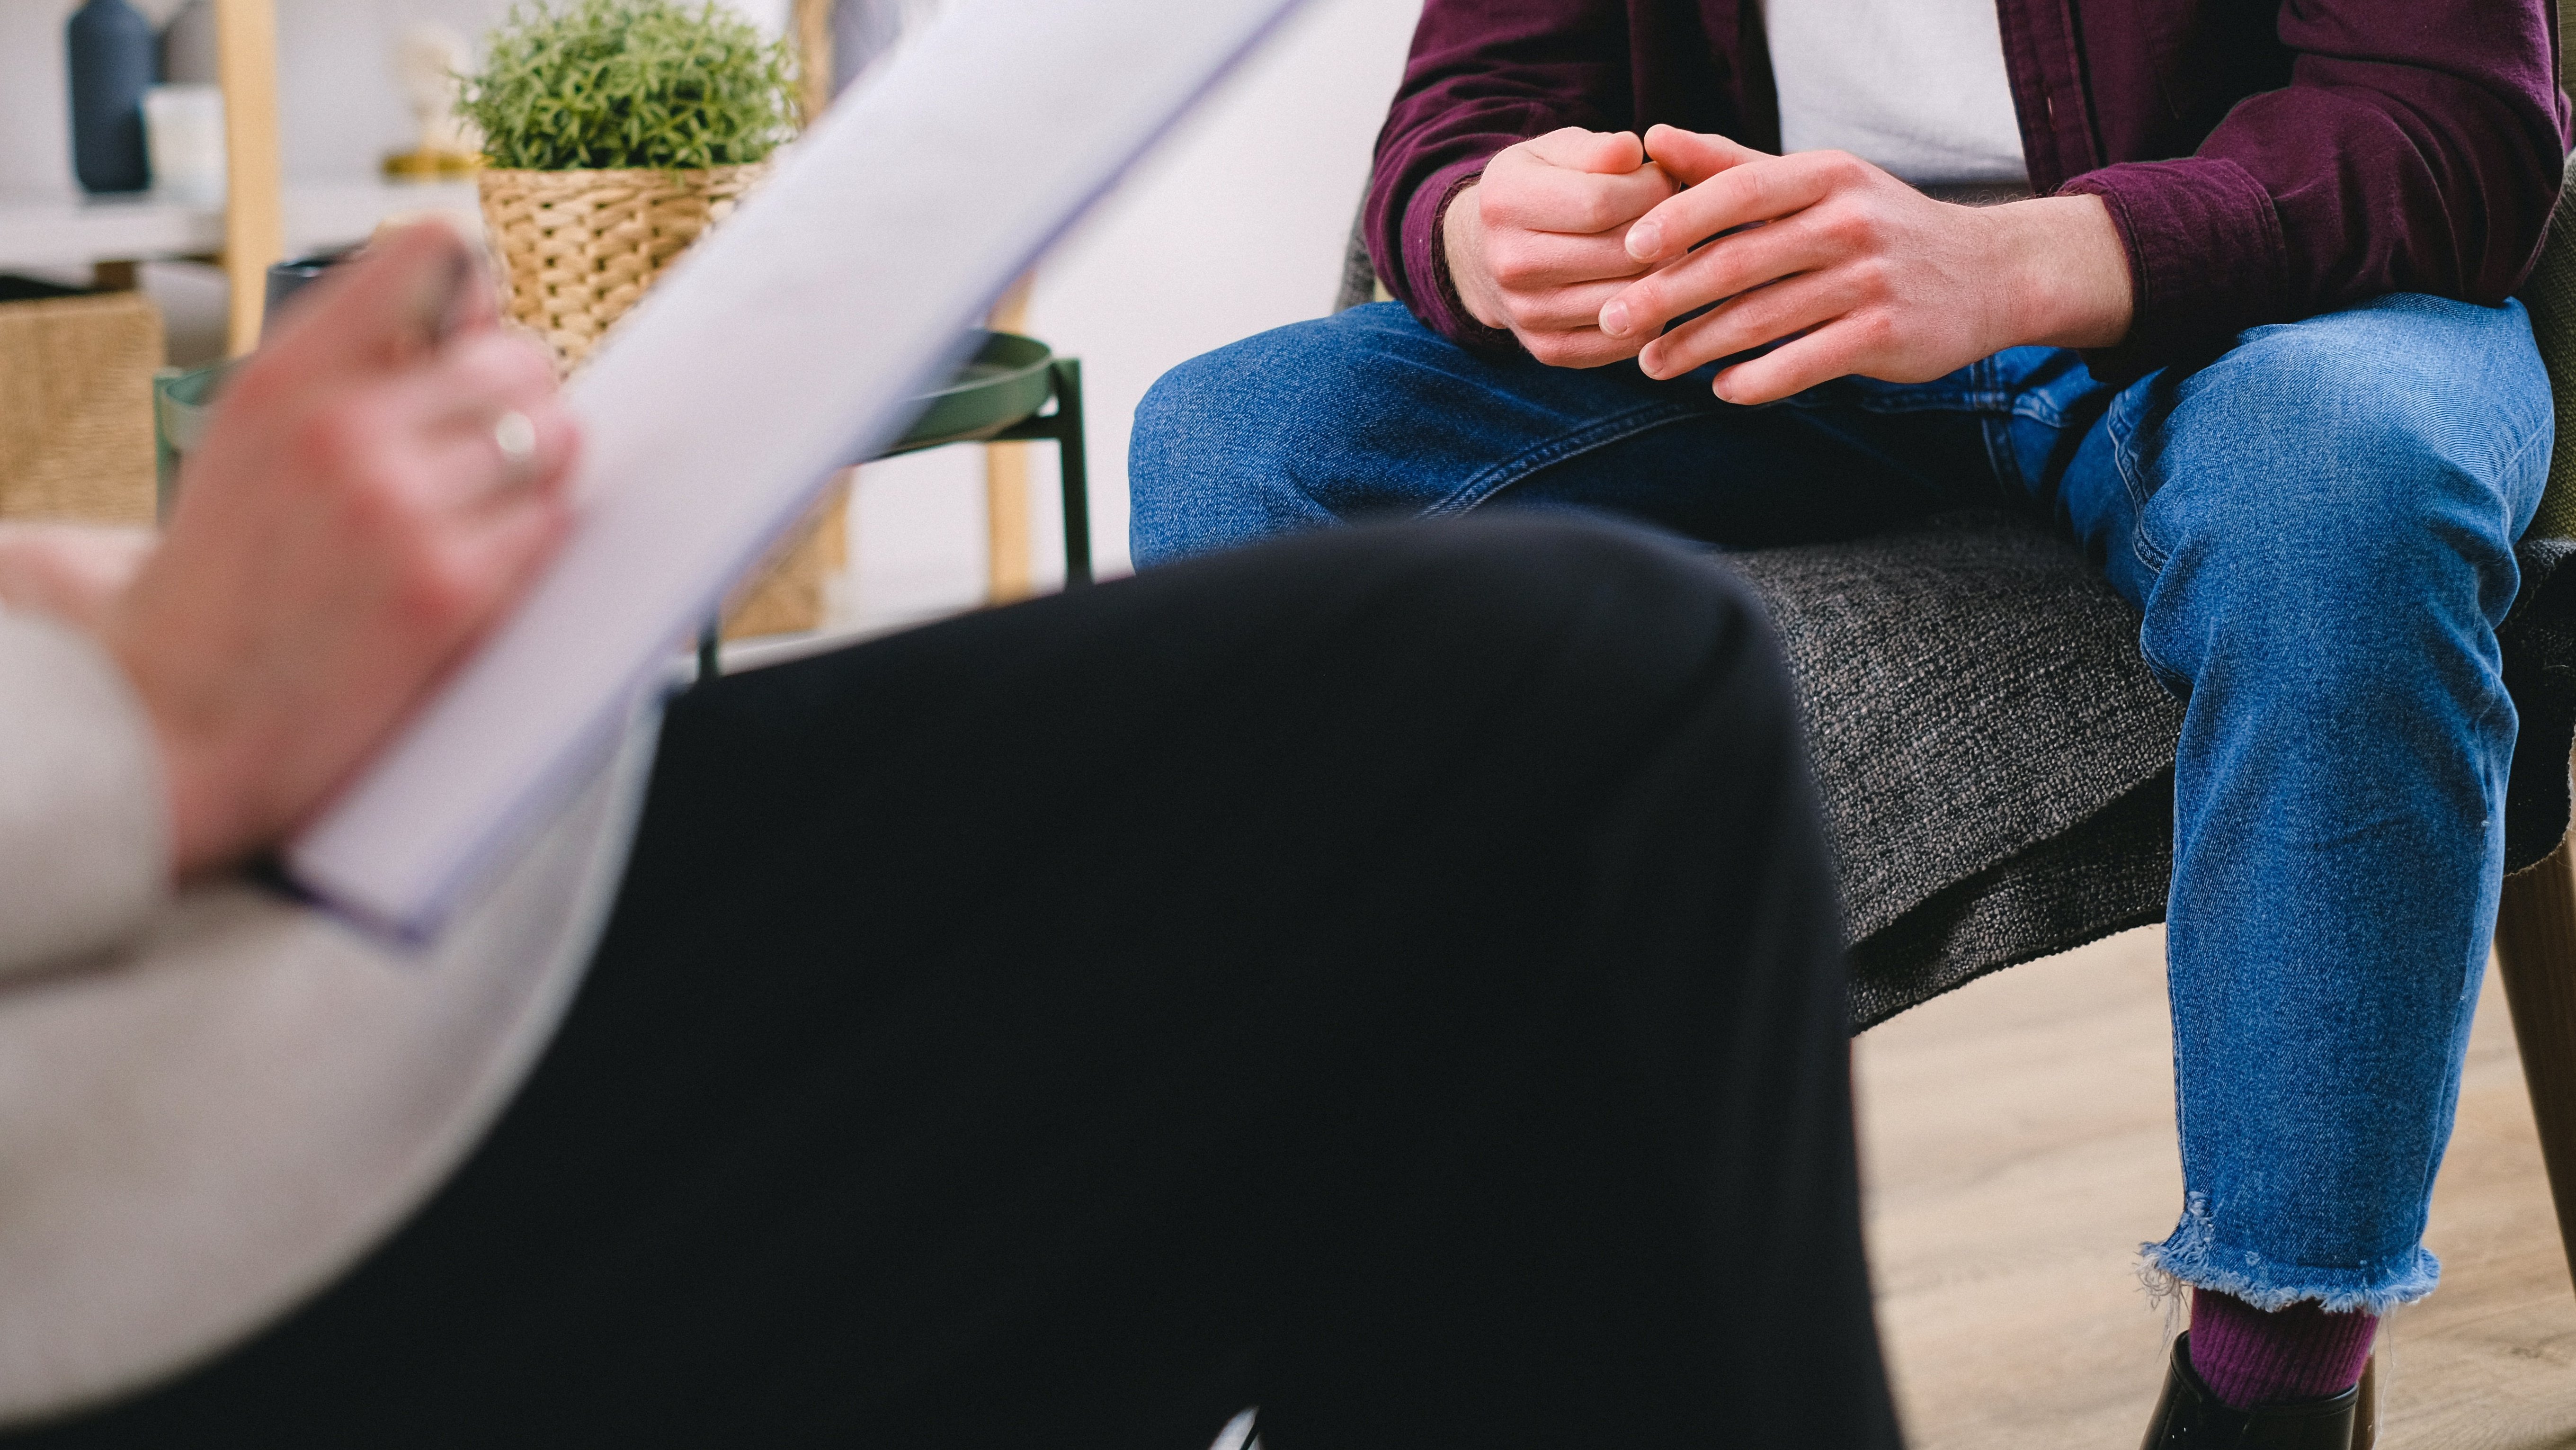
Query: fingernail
x=1646, y=364
x=1644, y=240
x=1614, y=319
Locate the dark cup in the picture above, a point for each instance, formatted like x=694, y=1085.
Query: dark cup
x=288, y=278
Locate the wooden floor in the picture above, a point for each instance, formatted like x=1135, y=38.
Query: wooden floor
x=2017, y=1142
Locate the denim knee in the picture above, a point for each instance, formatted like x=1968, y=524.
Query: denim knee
x=2347, y=486
x=1231, y=446
x=1183, y=500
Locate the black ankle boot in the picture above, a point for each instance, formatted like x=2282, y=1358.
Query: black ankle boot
x=2189, y=1417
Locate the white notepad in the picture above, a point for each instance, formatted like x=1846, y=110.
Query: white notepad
x=786, y=345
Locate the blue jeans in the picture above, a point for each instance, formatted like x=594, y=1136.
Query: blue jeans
x=2318, y=529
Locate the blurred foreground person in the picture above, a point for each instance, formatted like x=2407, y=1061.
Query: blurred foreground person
x=1390, y=978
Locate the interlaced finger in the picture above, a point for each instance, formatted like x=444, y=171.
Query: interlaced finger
x=1576, y=307
x=1692, y=157
x=1727, y=267
x=1758, y=191
x=1579, y=347
x=1586, y=150
x=1536, y=196
x=1837, y=349
x=1754, y=319
x=1520, y=261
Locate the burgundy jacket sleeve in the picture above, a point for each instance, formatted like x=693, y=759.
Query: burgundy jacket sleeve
x=2415, y=148
x=1485, y=74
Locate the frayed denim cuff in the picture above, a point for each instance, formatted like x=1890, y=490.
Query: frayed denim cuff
x=2196, y=1257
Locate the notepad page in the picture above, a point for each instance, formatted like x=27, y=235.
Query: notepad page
x=785, y=346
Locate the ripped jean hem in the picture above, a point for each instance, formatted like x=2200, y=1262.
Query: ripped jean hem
x=2195, y=1258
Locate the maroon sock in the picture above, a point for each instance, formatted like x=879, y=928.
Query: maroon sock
x=2250, y=1358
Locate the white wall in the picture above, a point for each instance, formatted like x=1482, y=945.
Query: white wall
x=1237, y=225
x=337, y=106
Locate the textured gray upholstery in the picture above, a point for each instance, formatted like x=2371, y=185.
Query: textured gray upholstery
x=1996, y=761
x=1974, y=694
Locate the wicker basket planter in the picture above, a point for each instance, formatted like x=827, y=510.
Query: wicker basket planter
x=576, y=249
x=76, y=404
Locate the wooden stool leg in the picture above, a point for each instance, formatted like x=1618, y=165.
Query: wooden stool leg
x=2536, y=949
x=255, y=189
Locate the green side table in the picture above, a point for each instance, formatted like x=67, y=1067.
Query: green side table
x=1001, y=395
x=997, y=397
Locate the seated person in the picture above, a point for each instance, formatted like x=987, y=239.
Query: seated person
x=2246, y=337
x=1391, y=979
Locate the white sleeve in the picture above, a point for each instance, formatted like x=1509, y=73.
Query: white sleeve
x=84, y=819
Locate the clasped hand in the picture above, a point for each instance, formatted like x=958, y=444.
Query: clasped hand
x=1588, y=246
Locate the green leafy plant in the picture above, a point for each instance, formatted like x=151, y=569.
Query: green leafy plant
x=568, y=84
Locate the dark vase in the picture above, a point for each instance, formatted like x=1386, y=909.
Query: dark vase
x=112, y=51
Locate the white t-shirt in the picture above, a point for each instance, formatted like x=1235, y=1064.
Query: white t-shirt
x=1917, y=86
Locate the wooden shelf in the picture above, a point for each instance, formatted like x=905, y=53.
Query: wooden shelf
x=69, y=230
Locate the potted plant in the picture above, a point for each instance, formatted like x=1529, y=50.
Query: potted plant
x=617, y=131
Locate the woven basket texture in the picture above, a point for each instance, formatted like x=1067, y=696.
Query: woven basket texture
x=76, y=408
x=578, y=248
x=2550, y=293
x=788, y=595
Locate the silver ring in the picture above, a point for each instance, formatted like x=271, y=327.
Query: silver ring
x=515, y=434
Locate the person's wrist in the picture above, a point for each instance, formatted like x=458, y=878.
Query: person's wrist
x=201, y=839
x=1462, y=245
x=2071, y=284
x=206, y=831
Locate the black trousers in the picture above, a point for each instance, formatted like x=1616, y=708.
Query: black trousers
x=1389, y=977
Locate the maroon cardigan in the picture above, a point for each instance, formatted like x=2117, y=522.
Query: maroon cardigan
x=2262, y=163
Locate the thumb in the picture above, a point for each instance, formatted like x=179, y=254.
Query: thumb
x=1694, y=156
x=391, y=304
x=1604, y=153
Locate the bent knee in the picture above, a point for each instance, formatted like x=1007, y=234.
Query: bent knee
x=1274, y=386
x=2392, y=448
x=1224, y=445
x=2402, y=386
